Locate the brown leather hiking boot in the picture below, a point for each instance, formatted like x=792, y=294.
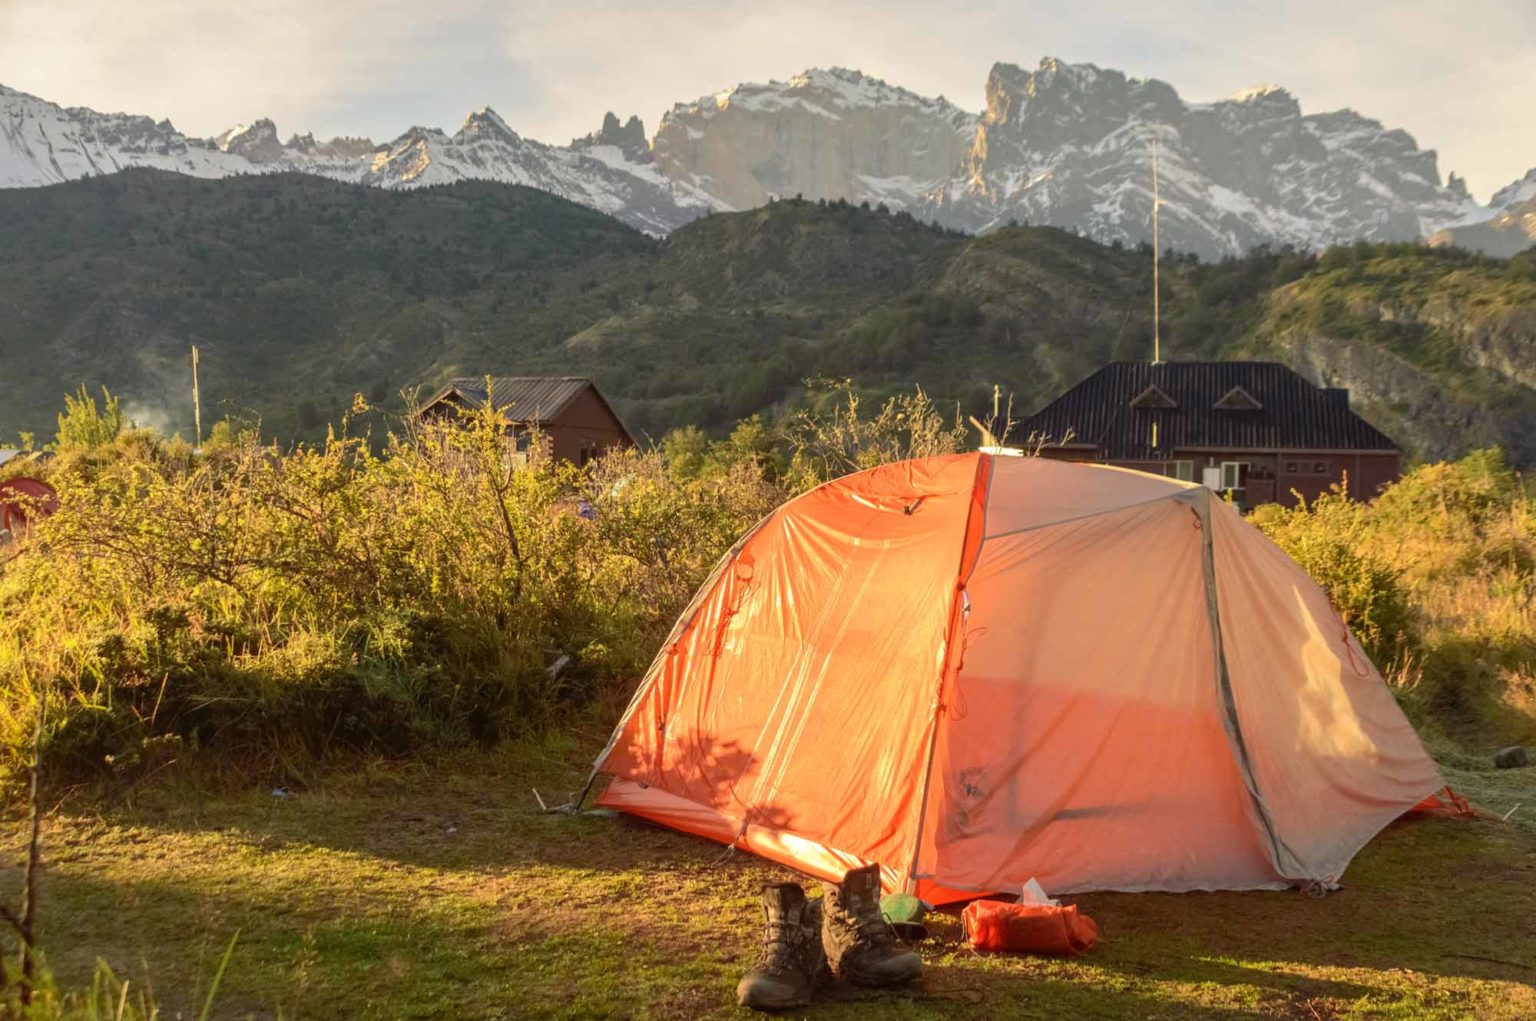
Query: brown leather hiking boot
x=858, y=941
x=792, y=961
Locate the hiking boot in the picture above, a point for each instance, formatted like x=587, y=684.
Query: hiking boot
x=858, y=941
x=792, y=961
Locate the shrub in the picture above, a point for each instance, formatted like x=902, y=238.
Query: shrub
x=274, y=607
x=1445, y=559
x=84, y=426
x=1324, y=537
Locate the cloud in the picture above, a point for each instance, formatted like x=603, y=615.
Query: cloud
x=208, y=64
x=1455, y=76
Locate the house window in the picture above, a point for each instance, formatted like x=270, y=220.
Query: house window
x=1238, y=399
x=1152, y=397
x=1292, y=467
x=1184, y=471
x=1234, y=474
x=1319, y=467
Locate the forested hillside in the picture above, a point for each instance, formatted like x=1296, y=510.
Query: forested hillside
x=301, y=292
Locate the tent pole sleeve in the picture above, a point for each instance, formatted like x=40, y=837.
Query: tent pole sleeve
x=959, y=611
x=1281, y=857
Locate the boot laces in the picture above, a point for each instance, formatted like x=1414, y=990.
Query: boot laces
x=782, y=942
x=869, y=922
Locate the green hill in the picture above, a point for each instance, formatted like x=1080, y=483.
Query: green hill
x=301, y=292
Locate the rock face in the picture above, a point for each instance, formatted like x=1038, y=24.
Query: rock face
x=834, y=134
x=628, y=137
x=256, y=142
x=1514, y=194
x=1440, y=366
x=1510, y=230
x=1071, y=145
x=1064, y=144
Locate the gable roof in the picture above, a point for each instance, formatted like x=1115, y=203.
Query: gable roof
x=534, y=399
x=1293, y=414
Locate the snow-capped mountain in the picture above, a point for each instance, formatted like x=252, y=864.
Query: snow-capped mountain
x=1063, y=144
x=835, y=134
x=604, y=170
x=42, y=143
x=1510, y=231
x=1070, y=145
x=1514, y=194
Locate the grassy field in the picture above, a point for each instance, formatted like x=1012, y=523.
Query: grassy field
x=441, y=891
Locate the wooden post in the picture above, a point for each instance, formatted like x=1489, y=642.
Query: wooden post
x=197, y=403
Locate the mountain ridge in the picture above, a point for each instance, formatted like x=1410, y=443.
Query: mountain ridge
x=1063, y=144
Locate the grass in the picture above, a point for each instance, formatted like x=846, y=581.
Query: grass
x=441, y=891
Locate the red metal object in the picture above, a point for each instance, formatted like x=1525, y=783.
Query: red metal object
x=23, y=499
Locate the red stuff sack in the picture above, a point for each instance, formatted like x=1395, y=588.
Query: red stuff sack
x=1029, y=928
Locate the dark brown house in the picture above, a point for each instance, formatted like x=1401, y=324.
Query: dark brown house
x=1255, y=430
x=567, y=411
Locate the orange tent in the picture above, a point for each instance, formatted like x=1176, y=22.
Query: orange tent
x=979, y=669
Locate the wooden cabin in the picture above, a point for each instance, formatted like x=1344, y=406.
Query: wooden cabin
x=1257, y=431
x=568, y=412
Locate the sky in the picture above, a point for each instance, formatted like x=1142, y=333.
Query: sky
x=1460, y=77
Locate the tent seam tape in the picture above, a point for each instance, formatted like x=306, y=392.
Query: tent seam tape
x=933, y=738
x=1278, y=848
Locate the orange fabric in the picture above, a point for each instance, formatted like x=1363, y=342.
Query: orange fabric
x=973, y=670
x=1029, y=928
x=801, y=696
x=1446, y=800
x=1083, y=756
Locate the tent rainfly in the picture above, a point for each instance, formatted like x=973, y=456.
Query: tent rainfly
x=978, y=669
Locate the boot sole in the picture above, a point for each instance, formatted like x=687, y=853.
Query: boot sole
x=774, y=1005
x=866, y=979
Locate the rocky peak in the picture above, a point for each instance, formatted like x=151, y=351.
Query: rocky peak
x=257, y=141
x=486, y=123
x=832, y=78
x=628, y=137
x=1060, y=104
x=1514, y=194
x=339, y=148
x=1261, y=104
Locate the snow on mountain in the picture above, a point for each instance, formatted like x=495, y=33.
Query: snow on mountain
x=1070, y=145
x=42, y=143
x=604, y=170
x=1516, y=193
x=1063, y=144
x=835, y=134
x=1510, y=230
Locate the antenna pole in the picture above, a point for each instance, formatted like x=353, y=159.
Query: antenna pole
x=1157, y=341
x=197, y=403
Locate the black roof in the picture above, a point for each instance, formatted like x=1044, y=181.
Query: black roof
x=1293, y=414
x=536, y=399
